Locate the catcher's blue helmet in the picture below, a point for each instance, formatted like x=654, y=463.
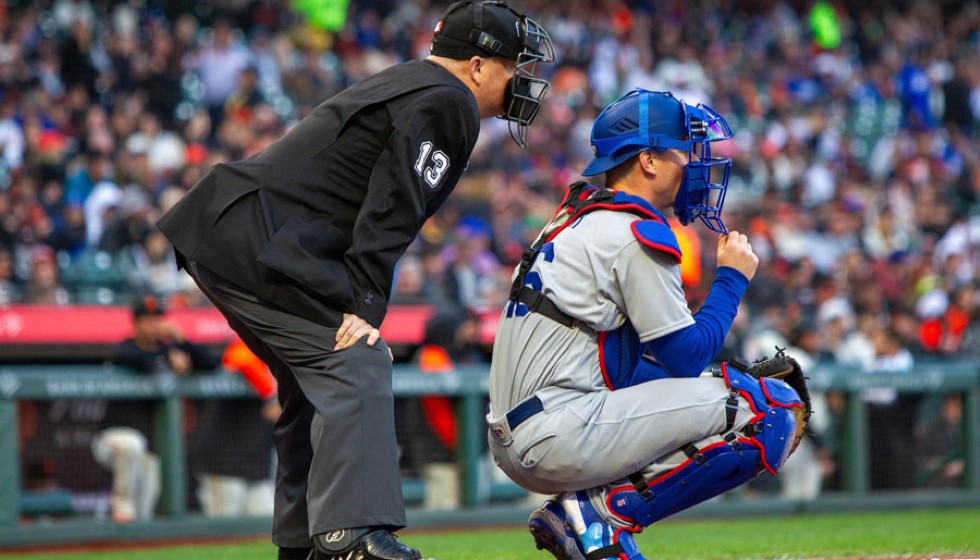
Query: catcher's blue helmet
x=645, y=120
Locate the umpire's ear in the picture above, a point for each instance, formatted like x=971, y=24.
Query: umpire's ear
x=476, y=66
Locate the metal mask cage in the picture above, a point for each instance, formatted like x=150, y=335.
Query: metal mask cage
x=705, y=181
x=526, y=91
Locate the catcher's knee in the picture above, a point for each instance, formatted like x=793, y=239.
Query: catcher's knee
x=779, y=414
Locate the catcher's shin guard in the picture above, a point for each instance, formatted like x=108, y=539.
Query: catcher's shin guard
x=596, y=538
x=774, y=425
x=551, y=532
x=707, y=473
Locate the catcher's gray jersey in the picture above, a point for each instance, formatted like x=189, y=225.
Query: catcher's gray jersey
x=597, y=271
x=587, y=435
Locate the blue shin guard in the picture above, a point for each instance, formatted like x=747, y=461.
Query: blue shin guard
x=764, y=443
x=710, y=472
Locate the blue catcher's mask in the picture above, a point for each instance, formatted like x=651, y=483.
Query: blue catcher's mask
x=645, y=120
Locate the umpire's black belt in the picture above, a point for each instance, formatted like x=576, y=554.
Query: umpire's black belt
x=523, y=411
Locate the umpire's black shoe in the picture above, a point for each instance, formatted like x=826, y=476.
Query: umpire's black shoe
x=384, y=545
x=356, y=544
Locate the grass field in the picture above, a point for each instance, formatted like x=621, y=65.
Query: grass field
x=925, y=534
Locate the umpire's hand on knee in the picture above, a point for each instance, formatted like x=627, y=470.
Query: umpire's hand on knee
x=735, y=251
x=354, y=328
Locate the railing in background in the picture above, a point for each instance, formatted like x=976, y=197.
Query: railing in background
x=468, y=385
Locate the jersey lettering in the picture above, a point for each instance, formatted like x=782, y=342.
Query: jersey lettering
x=438, y=164
x=548, y=251
x=514, y=308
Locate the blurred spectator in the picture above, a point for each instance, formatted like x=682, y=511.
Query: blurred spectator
x=80, y=54
x=232, y=448
x=891, y=416
x=411, y=285
x=939, y=445
x=474, y=268
x=428, y=433
x=218, y=64
x=130, y=224
x=804, y=472
x=44, y=286
x=99, y=208
x=242, y=101
x=81, y=183
x=10, y=290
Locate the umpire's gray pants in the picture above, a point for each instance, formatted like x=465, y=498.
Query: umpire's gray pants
x=338, y=458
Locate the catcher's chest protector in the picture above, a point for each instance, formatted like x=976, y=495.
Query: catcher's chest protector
x=583, y=198
x=620, y=348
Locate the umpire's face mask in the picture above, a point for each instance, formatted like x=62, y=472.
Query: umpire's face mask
x=524, y=92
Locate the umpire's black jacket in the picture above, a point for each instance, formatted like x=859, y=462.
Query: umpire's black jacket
x=315, y=223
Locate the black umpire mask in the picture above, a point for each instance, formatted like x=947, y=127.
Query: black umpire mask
x=492, y=28
x=523, y=95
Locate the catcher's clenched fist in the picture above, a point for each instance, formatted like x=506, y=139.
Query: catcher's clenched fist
x=734, y=250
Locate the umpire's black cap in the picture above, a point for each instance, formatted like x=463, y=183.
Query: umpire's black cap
x=478, y=29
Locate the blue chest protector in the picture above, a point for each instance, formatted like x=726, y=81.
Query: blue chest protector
x=621, y=354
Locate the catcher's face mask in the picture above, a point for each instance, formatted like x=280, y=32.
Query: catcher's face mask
x=656, y=120
x=523, y=95
x=705, y=181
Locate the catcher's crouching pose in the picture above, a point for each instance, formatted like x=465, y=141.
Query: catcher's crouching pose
x=598, y=390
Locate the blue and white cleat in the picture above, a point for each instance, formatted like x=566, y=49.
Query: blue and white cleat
x=596, y=538
x=551, y=533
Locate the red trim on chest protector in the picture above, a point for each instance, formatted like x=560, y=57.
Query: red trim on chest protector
x=603, y=206
x=662, y=247
x=601, y=339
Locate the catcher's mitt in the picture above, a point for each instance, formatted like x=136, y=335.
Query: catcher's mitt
x=787, y=369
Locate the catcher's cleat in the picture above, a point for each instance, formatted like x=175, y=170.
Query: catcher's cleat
x=595, y=537
x=357, y=544
x=551, y=533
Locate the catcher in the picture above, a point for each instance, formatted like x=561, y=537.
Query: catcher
x=598, y=390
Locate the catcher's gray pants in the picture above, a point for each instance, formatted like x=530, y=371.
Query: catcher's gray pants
x=601, y=437
x=338, y=458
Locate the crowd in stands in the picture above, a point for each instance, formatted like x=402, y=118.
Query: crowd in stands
x=856, y=164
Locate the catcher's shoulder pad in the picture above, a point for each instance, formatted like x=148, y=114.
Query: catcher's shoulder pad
x=658, y=236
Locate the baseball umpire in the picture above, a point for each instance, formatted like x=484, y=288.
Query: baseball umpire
x=296, y=246
x=598, y=390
